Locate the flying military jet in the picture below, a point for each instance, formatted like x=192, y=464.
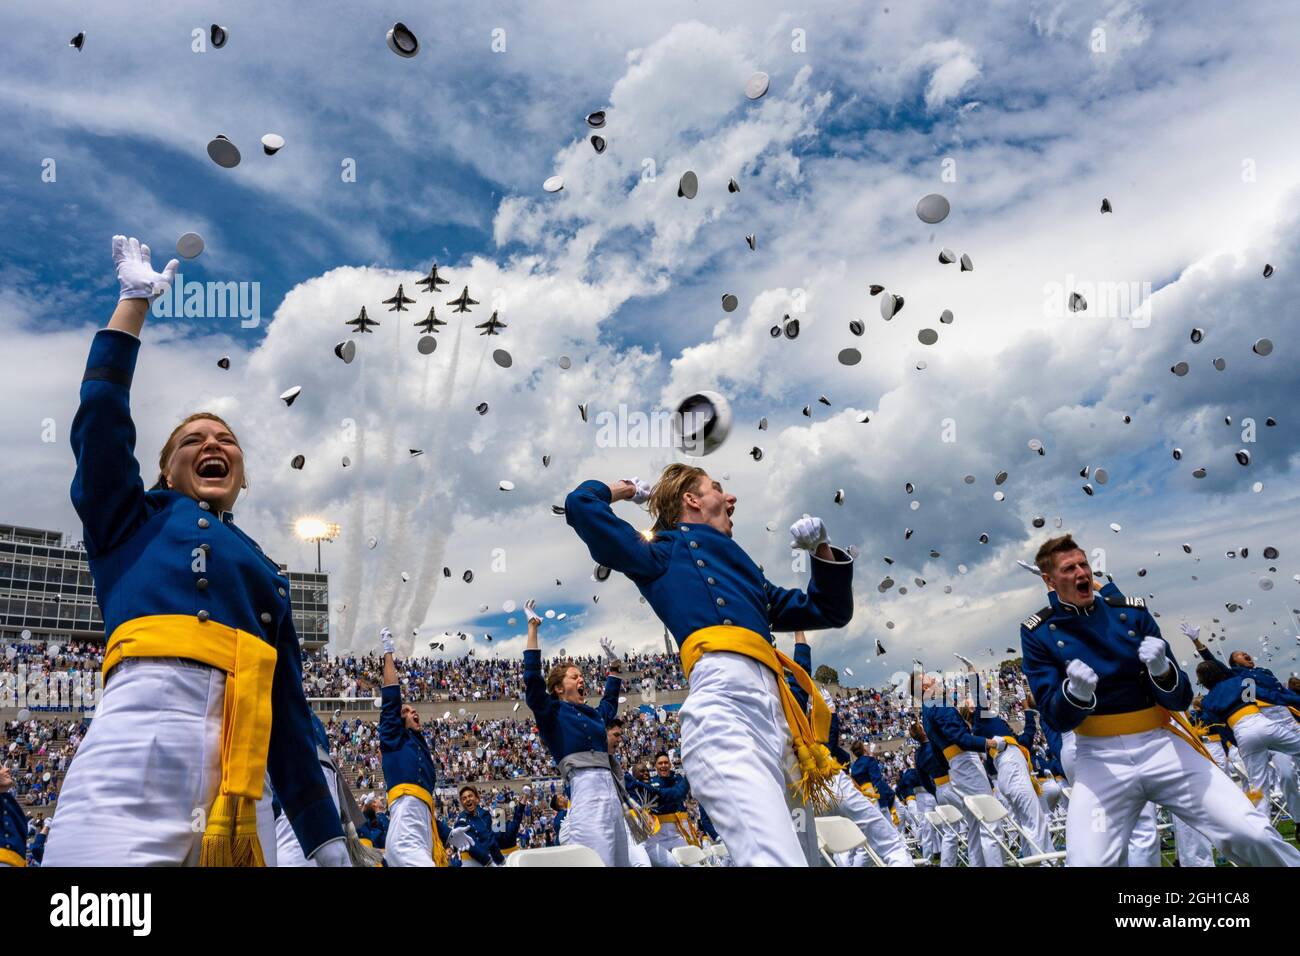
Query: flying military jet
x=462, y=302
x=432, y=280
x=491, y=326
x=430, y=324
x=399, y=302
x=362, y=322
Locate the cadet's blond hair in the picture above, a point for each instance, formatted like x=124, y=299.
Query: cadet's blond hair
x=666, y=500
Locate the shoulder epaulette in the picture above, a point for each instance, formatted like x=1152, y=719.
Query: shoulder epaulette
x=1037, y=618
x=1126, y=602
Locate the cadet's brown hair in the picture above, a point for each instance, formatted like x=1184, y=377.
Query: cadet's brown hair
x=555, y=678
x=666, y=500
x=169, y=447
x=1046, y=557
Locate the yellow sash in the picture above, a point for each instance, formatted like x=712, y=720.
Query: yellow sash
x=11, y=858
x=1242, y=713
x=816, y=765
x=648, y=820
x=415, y=790
x=230, y=837
x=940, y=781
x=1139, y=721
x=685, y=827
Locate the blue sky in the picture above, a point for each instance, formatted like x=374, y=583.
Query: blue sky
x=1176, y=119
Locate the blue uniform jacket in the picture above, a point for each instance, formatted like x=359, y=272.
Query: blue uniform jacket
x=403, y=753
x=803, y=657
x=568, y=728
x=867, y=769
x=694, y=576
x=144, y=548
x=931, y=765
x=480, y=826
x=909, y=781
x=13, y=824
x=1235, y=692
x=374, y=828
x=670, y=792
x=1105, y=636
x=945, y=727
x=509, y=837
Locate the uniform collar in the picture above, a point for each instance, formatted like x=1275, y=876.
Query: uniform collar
x=1075, y=609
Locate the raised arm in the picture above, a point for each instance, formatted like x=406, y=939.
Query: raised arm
x=611, y=540
x=391, y=728
x=539, y=701
x=828, y=601
x=803, y=657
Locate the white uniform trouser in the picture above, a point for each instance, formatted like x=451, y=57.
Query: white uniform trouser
x=288, y=851
x=950, y=842
x=1259, y=736
x=1144, y=843
x=880, y=833
x=595, y=817
x=927, y=833
x=736, y=751
x=1115, y=777
x=636, y=852
x=659, y=845
x=1193, y=849
x=1017, y=790
x=966, y=772
x=410, y=833
x=148, y=771
x=1069, y=746
x=1052, y=793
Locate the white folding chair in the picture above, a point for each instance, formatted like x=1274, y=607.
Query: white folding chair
x=718, y=851
x=841, y=835
x=989, y=812
x=571, y=855
x=948, y=817
x=689, y=855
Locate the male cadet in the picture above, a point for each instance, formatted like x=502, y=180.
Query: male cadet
x=413, y=833
x=1259, y=712
x=13, y=823
x=1016, y=784
x=375, y=828
x=949, y=734
x=639, y=789
x=1101, y=668
x=669, y=791
x=916, y=790
x=479, y=823
x=933, y=767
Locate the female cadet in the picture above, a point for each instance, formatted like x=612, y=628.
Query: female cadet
x=202, y=674
x=575, y=735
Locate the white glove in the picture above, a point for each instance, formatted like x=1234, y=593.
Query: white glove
x=807, y=533
x=459, y=838
x=135, y=274
x=1151, y=652
x=333, y=853
x=386, y=638
x=643, y=490
x=530, y=609
x=999, y=744
x=1081, y=680
x=965, y=660
x=1191, y=630
x=607, y=646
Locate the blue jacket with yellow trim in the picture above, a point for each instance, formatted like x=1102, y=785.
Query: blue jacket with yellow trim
x=694, y=576
x=944, y=727
x=670, y=792
x=13, y=824
x=803, y=657
x=477, y=852
x=909, y=781
x=867, y=769
x=931, y=765
x=480, y=826
x=374, y=828
x=640, y=792
x=403, y=753
x=568, y=728
x=164, y=553
x=1105, y=635
x=1235, y=692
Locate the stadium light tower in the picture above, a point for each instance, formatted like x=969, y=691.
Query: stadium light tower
x=318, y=530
